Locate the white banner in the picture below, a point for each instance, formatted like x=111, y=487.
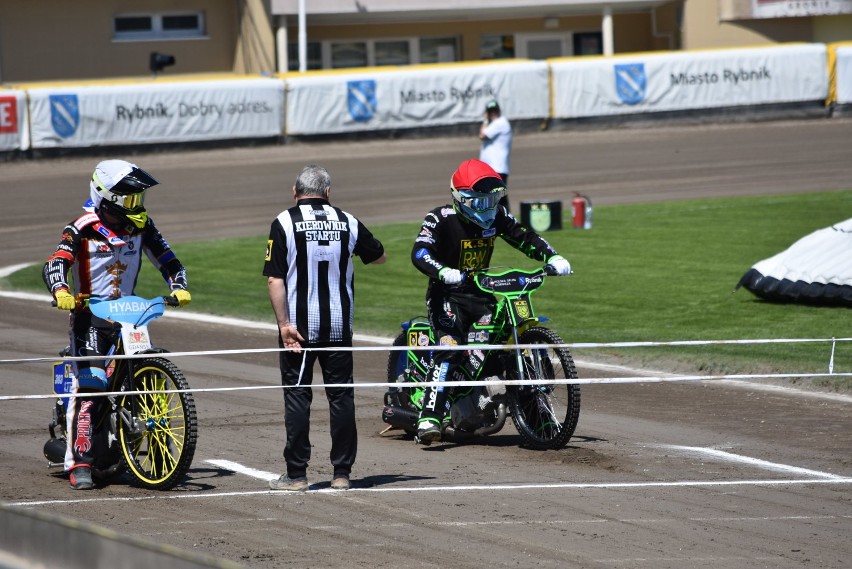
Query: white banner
x=419, y=97
x=14, y=134
x=844, y=75
x=161, y=112
x=645, y=83
x=798, y=8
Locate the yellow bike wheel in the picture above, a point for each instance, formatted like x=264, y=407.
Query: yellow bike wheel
x=157, y=429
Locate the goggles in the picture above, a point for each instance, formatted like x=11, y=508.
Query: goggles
x=128, y=202
x=477, y=201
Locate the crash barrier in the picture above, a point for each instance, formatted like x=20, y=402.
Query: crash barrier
x=186, y=110
x=485, y=347
x=31, y=539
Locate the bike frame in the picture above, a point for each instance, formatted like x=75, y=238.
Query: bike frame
x=513, y=314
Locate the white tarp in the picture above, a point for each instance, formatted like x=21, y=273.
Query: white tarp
x=844, y=74
x=418, y=97
x=161, y=112
x=816, y=269
x=645, y=83
x=14, y=134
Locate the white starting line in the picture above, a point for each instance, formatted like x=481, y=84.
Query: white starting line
x=818, y=477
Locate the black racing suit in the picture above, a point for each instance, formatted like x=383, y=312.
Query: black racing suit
x=104, y=265
x=447, y=239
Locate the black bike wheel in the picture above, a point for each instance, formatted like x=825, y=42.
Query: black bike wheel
x=545, y=415
x=157, y=431
x=400, y=397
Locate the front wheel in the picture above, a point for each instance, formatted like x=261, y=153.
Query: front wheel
x=157, y=431
x=546, y=414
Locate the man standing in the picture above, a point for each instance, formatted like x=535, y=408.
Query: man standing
x=309, y=269
x=496, y=150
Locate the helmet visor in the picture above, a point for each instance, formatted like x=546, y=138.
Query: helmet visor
x=479, y=202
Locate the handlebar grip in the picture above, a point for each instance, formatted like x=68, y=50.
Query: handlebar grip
x=171, y=301
x=550, y=270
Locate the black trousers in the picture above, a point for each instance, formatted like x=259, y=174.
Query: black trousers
x=336, y=368
x=451, y=316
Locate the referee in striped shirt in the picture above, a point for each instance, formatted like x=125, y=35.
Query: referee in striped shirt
x=309, y=268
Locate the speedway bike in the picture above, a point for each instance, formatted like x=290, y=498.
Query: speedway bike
x=544, y=413
x=150, y=429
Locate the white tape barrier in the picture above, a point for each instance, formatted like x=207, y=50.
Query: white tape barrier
x=495, y=381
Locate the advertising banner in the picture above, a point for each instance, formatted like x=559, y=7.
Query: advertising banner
x=419, y=97
x=162, y=112
x=799, y=8
x=14, y=134
x=645, y=83
x=843, y=75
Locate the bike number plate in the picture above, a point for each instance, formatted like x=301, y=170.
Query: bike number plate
x=135, y=339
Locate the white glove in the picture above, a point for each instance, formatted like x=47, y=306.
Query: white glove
x=450, y=276
x=560, y=265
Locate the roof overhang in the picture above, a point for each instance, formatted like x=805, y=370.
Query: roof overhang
x=372, y=11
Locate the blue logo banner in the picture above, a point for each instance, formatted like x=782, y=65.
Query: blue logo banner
x=64, y=114
x=630, y=82
x=361, y=99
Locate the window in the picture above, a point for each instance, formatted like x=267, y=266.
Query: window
x=588, y=43
x=394, y=52
x=438, y=50
x=313, y=57
x=348, y=54
x=185, y=25
x=332, y=54
x=496, y=47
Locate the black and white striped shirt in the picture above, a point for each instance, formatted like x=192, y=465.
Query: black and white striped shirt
x=311, y=246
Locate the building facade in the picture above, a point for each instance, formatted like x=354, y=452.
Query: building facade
x=89, y=41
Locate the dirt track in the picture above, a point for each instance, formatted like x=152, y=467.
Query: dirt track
x=642, y=484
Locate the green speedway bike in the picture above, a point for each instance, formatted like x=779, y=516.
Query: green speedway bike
x=544, y=413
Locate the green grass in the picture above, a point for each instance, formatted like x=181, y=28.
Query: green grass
x=651, y=272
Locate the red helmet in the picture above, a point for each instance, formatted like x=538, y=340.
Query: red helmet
x=477, y=189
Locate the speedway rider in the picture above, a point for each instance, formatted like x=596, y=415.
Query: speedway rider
x=104, y=249
x=458, y=238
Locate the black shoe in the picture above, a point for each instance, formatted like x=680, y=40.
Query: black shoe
x=427, y=433
x=81, y=478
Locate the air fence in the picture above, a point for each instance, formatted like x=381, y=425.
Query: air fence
x=809, y=78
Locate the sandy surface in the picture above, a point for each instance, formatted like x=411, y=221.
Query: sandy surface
x=657, y=475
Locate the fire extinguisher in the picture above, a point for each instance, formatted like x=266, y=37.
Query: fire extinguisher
x=581, y=212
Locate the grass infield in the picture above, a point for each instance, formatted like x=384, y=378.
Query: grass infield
x=650, y=272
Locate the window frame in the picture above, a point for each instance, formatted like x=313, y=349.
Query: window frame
x=157, y=31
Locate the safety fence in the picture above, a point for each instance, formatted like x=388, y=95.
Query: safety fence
x=191, y=109
x=650, y=378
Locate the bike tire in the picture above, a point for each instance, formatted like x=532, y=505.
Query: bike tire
x=157, y=432
x=397, y=363
x=545, y=415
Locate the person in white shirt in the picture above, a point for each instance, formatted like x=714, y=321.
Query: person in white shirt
x=496, y=150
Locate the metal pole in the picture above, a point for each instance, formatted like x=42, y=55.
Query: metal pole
x=303, y=39
x=606, y=29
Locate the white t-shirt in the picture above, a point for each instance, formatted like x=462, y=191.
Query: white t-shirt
x=497, y=145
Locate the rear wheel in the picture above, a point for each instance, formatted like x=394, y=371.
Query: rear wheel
x=545, y=414
x=157, y=431
x=400, y=397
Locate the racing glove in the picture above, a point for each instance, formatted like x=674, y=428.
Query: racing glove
x=64, y=300
x=450, y=276
x=560, y=265
x=182, y=296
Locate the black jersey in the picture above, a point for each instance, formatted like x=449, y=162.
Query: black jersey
x=446, y=239
x=311, y=246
